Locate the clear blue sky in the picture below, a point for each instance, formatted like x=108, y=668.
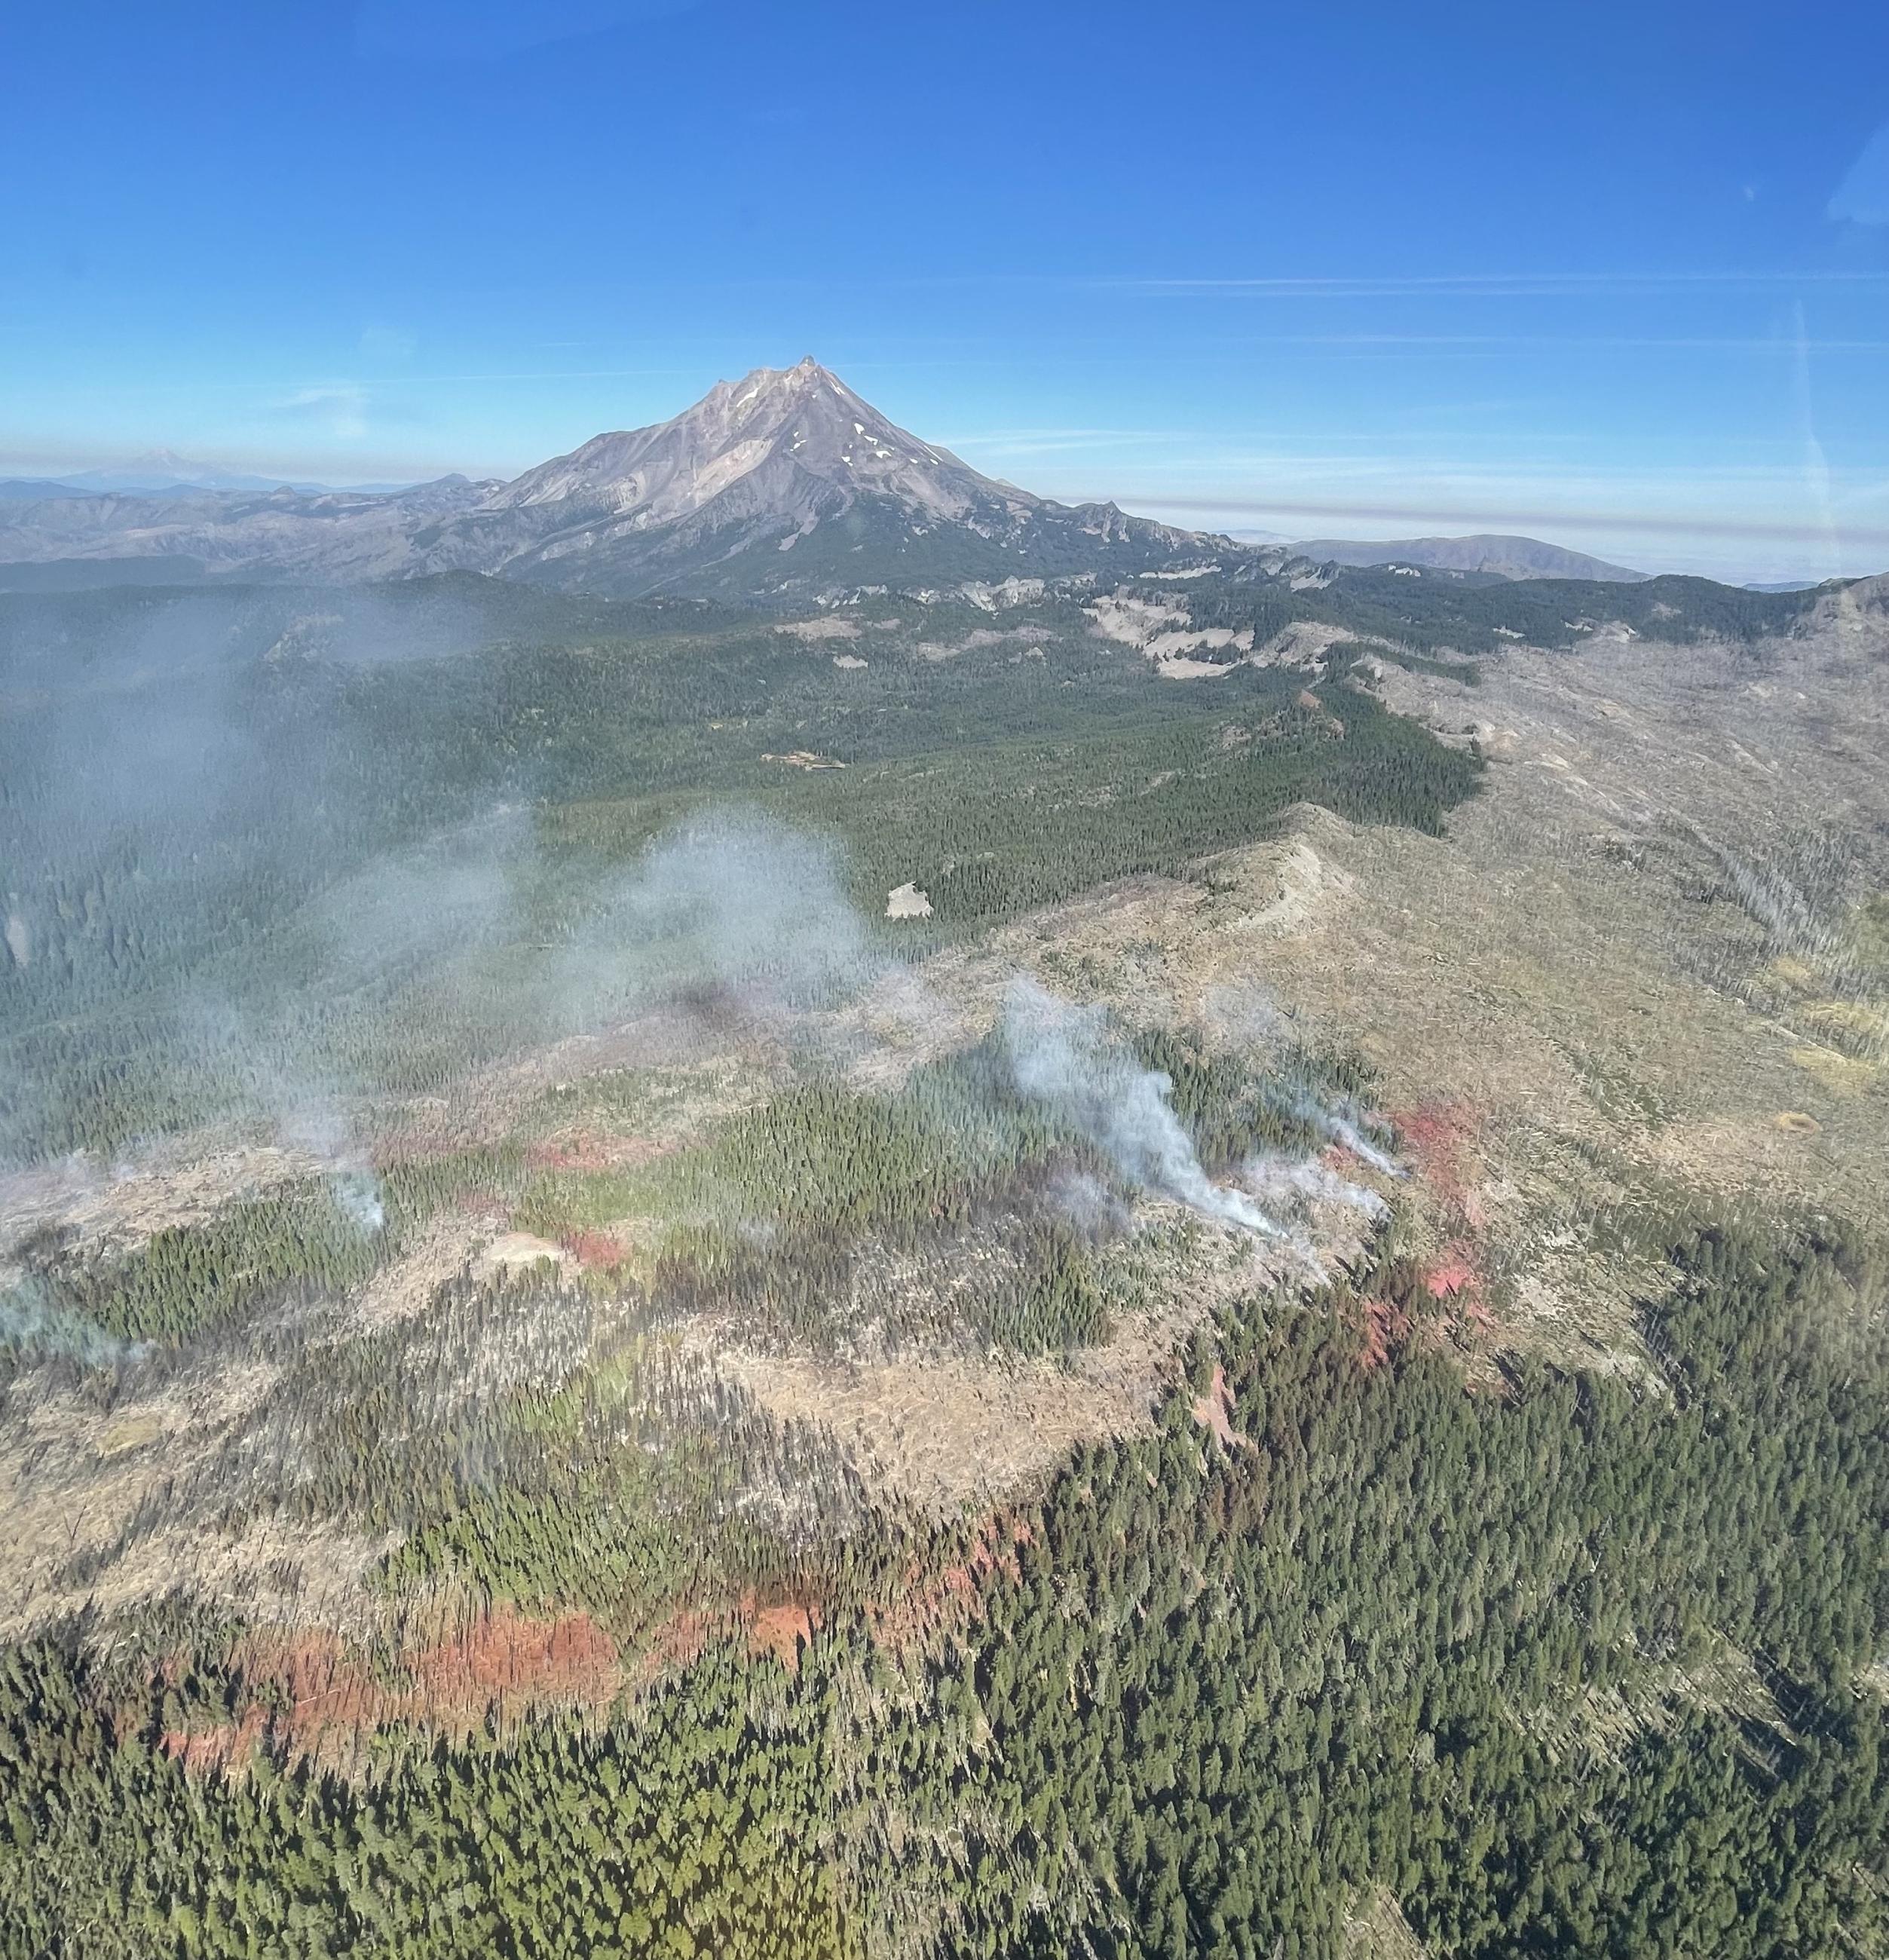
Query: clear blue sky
x=1616, y=274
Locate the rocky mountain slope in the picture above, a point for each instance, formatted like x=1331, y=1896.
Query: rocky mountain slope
x=795, y=437
x=785, y=481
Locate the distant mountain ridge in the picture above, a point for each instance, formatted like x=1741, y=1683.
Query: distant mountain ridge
x=164, y=469
x=163, y=473
x=1494, y=552
x=36, y=489
x=783, y=480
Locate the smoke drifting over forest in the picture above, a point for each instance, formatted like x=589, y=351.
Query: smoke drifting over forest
x=728, y=899
x=33, y=1324
x=278, y=913
x=727, y=910
x=1065, y=1057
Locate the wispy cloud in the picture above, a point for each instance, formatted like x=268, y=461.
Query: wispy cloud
x=1105, y=350
x=1691, y=343
x=1650, y=523
x=1500, y=285
x=339, y=408
x=1045, y=441
x=1863, y=198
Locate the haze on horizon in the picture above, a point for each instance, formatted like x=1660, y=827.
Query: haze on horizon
x=1246, y=270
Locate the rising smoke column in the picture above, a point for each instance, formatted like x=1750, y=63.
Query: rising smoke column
x=1065, y=1058
x=32, y=1324
x=1251, y=1016
x=1340, y=1121
x=736, y=898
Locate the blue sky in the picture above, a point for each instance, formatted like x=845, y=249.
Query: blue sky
x=1616, y=275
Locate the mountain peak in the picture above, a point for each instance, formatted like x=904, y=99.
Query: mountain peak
x=805, y=377
x=793, y=444
x=785, y=479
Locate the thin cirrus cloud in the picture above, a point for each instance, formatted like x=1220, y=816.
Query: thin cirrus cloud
x=1642, y=523
x=1863, y=198
x=339, y=410
x=1493, y=285
x=460, y=31
x=1711, y=343
x=1044, y=441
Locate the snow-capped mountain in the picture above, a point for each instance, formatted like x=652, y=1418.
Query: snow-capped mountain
x=782, y=481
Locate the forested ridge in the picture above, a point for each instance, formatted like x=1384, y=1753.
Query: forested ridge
x=252, y=849
x=275, y=746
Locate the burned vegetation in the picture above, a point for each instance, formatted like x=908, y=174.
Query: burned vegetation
x=571, y=1383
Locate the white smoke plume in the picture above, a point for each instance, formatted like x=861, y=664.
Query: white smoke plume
x=1340, y=1121
x=357, y=1192
x=1064, y=1057
x=737, y=899
x=1282, y=1182
x=31, y=1324
x=1250, y=1017
x=1089, y=1206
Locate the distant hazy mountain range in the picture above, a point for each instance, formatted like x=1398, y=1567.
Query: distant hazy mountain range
x=784, y=480
x=159, y=471
x=1502, y=556
x=35, y=489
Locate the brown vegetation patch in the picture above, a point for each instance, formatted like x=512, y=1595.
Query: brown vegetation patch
x=1386, y=1328
x=503, y=1654
x=208, y=1751
x=677, y=1642
x=593, y=1150
x=1214, y=1411
x=782, y=1631
x=781, y=1628
x=948, y=1596
x=1456, y=1278
x=308, y=1690
x=1440, y=1137
x=596, y=1251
